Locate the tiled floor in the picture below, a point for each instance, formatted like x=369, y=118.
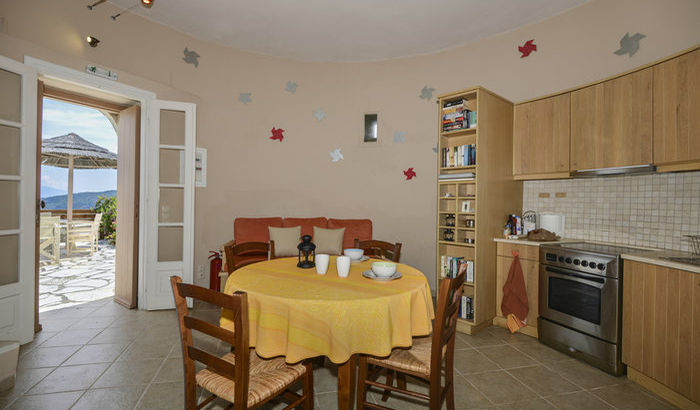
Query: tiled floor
x=101, y=356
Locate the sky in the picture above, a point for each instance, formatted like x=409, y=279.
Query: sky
x=60, y=118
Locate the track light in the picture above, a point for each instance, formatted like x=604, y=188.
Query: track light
x=93, y=41
x=97, y=3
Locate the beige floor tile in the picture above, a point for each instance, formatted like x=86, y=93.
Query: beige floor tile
x=584, y=375
x=93, y=322
x=505, y=335
x=46, y=356
x=70, y=337
x=39, y=339
x=102, y=353
x=24, y=380
x=507, y=356
x=166, y=396
x=500, y=387
x=534, y=404
x=468, y=397
x=171, y=371
x=112, y=398
x=473, y=361
x=542, y=380
x=578, y=401
x=540, y=352
x=55, y=324
x=69, y=378
x=142, y=350
x=483, y=338
x=114, y=335
x=325, y=401
x=326, y=378
x=629, y=396
x=55, y=401
x=129, y=373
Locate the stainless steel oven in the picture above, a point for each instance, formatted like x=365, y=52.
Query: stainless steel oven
x=580, y=302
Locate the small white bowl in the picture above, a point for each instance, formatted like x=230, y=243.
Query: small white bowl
x=383, y=269
x=354, y=253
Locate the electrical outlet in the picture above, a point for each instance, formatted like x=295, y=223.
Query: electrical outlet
x=200, y=271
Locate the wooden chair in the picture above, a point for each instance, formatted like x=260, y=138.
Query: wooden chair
x=83, y=231
x=381, y=249
x=50, y=237
x=240, y=377
x=242, y=254
x=424, y=359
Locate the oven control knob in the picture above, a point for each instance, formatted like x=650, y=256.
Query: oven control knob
x=601, y=266
x=561, y=259
x=584, y=264
x=568, y=260
x=577, y=262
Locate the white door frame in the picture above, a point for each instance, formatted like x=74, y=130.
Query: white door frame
x=19, y=296
x=144, y=97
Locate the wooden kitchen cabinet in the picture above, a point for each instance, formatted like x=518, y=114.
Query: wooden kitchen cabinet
x=677, y=113
x=661, y=327
x=541, y=133
x=530, y=262
x=611, y=123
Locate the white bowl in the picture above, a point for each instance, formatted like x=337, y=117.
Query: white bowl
x=353, y=253
x=383, y=269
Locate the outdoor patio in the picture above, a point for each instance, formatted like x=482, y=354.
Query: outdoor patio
x=77, y=279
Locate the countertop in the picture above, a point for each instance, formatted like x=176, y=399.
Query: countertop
x=644, y=255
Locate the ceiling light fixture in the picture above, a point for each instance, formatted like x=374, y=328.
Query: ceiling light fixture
x=147, y=3
x=93, y=41
x=97, y=3
x=114, y=17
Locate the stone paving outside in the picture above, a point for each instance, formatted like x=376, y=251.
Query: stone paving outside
x=77, y=279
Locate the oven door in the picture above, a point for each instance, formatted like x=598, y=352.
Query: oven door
x=584, y=302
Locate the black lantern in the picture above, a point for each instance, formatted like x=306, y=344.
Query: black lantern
x=450, y=220
x=448, y=235
x=306, y=248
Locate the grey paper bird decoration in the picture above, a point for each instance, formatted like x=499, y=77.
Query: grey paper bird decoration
x=191, y=57
x=426, y=93
x=629, y=45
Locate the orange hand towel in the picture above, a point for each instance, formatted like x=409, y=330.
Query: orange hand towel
x=515, y=306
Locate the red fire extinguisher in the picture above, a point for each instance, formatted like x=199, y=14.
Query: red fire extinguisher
x=214, y=269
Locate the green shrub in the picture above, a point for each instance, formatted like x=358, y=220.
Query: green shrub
x=107, y=205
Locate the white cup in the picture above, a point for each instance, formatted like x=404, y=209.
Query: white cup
x=343, y=265
x=322, y=260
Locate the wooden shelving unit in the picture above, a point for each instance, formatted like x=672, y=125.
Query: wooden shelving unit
x=492, y=193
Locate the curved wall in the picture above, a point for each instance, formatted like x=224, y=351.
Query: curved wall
x=250, y=175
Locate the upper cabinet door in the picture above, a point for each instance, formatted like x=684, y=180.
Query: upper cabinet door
x=611, y=123
x=541, y=138
x=677, y=112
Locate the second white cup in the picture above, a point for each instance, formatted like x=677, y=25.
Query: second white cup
x=322, y=260
x=343, y=265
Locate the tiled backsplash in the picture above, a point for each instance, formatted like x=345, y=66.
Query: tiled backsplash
x=649, y=210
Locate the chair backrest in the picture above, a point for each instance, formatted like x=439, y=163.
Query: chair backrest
x=242, y=254
x=445, y=325
x=47, y=225
x=98, y=218
x=382, y=249
x=238, y=305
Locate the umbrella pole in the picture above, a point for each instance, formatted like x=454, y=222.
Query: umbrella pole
x=69, y=205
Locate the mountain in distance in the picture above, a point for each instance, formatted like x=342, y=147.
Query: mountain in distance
x=81, y=200
x=48, y=191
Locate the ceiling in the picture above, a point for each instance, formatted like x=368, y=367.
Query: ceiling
x=351, y=30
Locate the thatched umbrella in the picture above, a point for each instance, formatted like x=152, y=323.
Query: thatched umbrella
x=71, y=151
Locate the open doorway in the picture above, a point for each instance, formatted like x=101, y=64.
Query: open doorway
x=88, y=194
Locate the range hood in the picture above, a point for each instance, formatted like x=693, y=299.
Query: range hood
x=627, y=170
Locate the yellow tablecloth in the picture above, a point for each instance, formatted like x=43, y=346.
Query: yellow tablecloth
x=299, y=314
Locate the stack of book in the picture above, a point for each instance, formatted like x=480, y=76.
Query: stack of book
x=459, y=156
x=449, y=267
x=466, y=308
x=456, y=116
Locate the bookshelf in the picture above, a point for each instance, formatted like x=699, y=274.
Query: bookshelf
x=481, y=175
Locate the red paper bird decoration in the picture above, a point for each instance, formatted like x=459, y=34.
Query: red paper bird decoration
x=277, y=134
x=527, y=48
x=410, y=173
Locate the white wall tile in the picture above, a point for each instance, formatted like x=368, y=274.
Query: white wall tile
x=648, y=210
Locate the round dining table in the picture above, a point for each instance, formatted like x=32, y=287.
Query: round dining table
x=299, y=314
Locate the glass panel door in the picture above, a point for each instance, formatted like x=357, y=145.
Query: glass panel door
x=18, y=96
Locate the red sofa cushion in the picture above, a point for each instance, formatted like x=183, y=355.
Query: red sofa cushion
x=254, y=229
x=354, y=228
x=307, y=224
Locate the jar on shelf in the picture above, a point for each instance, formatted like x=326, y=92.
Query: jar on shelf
x=469, y=223
x=450, y=220
x=448, y=235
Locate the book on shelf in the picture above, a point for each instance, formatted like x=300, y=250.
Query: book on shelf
x=456, y=116
x=466, y=308
x=461, y=175
x=449, y=267
x=459, y=156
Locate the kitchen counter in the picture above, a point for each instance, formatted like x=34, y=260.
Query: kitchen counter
x=654, y=257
